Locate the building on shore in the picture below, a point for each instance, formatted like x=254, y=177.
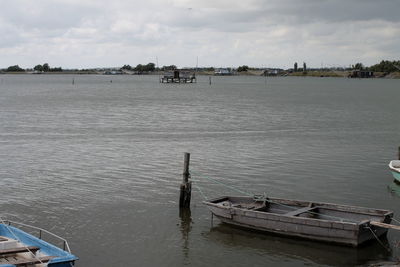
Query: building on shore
x=112, y=72
x=223, y=72
x=361, y=74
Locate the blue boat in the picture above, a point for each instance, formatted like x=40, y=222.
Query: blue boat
x=394, y=166
x=19, y=248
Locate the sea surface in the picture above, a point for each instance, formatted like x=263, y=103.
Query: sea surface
x=99, y=162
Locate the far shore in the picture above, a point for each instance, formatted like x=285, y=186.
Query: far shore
x=311, y=73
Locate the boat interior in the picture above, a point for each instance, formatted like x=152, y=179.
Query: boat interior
x=321, y=211
x=14, y=253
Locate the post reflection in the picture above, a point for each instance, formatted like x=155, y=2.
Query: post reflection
x=185, y=216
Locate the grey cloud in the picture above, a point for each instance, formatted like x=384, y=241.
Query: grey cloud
x=220, y=31
x=264, y=14
x=48, y=15
x=337, y=10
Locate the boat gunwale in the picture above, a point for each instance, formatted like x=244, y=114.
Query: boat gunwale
x=28, y=239
x=383, y=213
x=393, y=168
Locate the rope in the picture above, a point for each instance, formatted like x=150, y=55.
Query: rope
x=394, y=219
x=16, y=238
x=376, y=237
x=221, y=183
x=251, y=195
x=199, y=189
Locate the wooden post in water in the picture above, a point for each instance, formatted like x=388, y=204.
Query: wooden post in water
x=186, y=186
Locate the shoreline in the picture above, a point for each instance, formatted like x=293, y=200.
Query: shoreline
x=317, y=74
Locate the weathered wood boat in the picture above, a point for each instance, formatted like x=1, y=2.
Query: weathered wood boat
x=341, y=224
x=19, y=248
x=394, y=166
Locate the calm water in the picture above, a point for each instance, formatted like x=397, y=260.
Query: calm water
x=100, y=162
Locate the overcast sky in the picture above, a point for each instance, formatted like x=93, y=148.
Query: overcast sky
x=261, y=33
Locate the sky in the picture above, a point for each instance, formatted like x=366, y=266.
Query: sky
x=219, y=33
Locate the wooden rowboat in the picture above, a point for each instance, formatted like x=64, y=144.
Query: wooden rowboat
x=349, y=225
x=394, y=166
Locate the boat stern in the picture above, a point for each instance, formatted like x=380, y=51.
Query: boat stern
x=394, y=167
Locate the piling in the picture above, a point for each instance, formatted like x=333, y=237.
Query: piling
x=186, y=186
x=209, y=78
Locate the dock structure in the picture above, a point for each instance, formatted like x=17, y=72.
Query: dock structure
x=177, y=76
x=361, y=74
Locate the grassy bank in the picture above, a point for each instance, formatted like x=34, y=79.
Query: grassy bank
x=321, y=74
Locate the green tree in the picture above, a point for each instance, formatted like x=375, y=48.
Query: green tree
x=126, y=67
x=150, y=67
x=46, y=67
x=386, y=66
x=14, y=68
x=145, y=68
x=59, y=69
x=139, y=68
x=38, y=68
x=358, y=66
x=295, y=67
x=243, y=68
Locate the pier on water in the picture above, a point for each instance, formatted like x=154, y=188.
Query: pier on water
x=178, y=77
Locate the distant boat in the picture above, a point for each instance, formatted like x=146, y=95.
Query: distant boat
x=349, y=225
x=18, y=248
x=394, y=166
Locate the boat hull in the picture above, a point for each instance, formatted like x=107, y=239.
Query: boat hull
x=394, y=166
x=396, y=176
x=346, y=233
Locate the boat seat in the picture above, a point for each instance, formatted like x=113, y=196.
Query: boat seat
x=28, y=262
x=11, y=251
x=299, y=211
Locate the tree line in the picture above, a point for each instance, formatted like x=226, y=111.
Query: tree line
x=38, y=68
x=140, y=68
x=150, y=67
x=386, y=66
x=383, y=66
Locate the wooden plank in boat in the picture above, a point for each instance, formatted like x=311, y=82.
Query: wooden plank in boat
x=385, y=225
x=3, y=239
x=299, y=211
x=10, y=251
x=24, y=262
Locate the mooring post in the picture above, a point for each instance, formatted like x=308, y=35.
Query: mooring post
x=186, y=186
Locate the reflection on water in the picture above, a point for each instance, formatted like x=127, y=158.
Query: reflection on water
x=185, y=215
x=394, y=188
x=285, y=247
